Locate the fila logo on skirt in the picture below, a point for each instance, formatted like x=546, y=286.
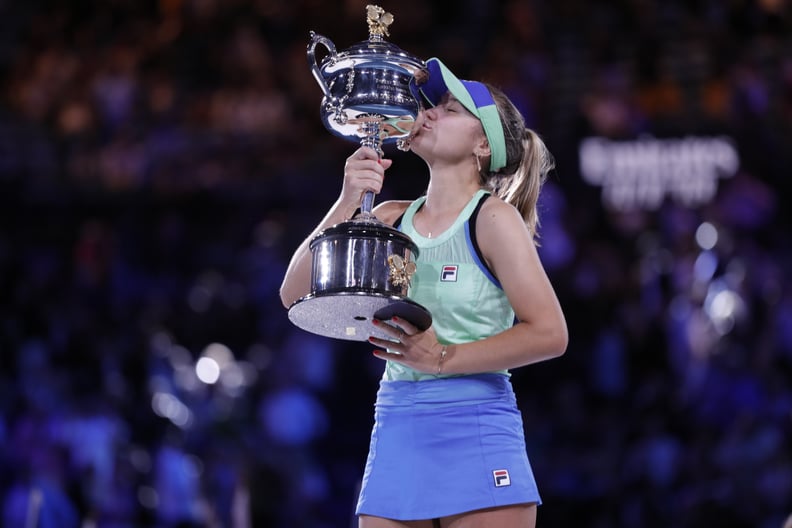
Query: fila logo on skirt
x=501, y=477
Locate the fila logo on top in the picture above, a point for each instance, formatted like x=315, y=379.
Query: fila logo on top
x=501, y=477
x=449, y=273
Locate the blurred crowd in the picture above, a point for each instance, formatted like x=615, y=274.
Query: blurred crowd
x=161, y=159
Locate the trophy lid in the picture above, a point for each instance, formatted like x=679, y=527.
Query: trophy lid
x=372, y=52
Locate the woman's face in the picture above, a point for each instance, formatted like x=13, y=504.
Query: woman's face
x=447, y=133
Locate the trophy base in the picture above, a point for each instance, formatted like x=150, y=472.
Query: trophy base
x=348, y=315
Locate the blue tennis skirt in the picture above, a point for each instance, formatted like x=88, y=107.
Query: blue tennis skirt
x=446, y=446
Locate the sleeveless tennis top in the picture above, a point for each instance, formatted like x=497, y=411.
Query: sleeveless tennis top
x=452, y=281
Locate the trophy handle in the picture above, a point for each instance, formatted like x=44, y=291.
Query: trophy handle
x=320, y=39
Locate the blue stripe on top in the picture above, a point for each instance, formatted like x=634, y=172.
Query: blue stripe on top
x=474, y=252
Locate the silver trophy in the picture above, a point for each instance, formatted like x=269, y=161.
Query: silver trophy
x=361, y=269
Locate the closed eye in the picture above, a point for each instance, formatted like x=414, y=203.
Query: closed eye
x=452, y=104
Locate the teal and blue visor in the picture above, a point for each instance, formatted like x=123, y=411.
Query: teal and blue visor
x=475, y=97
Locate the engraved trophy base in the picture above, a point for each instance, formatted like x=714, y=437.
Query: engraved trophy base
x=348, y=315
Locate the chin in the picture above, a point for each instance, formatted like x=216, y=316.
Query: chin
x=415, y=146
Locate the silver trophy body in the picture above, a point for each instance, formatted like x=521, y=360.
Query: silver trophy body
x=361, y=268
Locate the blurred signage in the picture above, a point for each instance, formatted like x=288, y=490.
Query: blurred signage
x=641, y=173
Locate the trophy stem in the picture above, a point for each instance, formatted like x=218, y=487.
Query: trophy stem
x=372, y=138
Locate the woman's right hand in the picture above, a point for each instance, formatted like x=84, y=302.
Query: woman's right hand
x=364, y=171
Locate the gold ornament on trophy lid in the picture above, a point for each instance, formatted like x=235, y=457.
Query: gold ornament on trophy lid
x=378, y=21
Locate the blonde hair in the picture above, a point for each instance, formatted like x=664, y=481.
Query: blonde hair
x=528, y=161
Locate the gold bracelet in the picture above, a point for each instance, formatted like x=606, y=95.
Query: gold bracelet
x=440, y=361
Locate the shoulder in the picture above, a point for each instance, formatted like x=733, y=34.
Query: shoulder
x=501, y=228
x=496, y=214
x=390, y=211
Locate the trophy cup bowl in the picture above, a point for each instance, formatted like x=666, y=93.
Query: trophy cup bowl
x=369, y=82
x=361, y=269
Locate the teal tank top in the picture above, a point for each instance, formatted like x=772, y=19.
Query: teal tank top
x=466, y=301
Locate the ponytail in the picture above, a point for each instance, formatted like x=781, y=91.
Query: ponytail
x=528, y=161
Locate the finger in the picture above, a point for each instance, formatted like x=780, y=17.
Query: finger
x=363, y=180
x=366, y=179
x=382, y=354
x=388, y=327
x=365, y=153
x=366, y=167
x=385, y=343
x=407, y=326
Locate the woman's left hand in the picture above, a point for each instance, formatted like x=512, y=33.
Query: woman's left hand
x=418, y=350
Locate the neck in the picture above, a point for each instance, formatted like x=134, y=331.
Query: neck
x=449, y=192
x=443, y=204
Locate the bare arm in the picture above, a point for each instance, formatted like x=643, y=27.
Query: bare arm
x=540, y=332
x=363, y=172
